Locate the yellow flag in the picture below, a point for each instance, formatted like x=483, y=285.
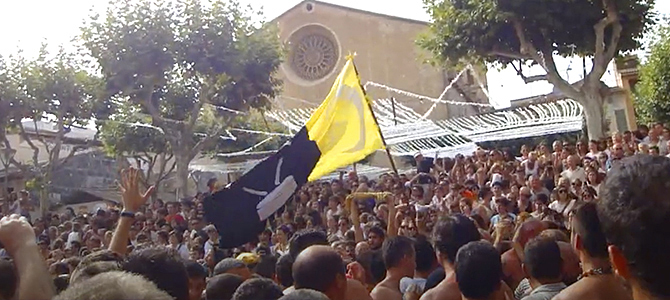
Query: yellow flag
x=343, y=127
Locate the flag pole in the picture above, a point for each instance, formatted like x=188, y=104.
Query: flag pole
x=374, y=117
x=388, y=152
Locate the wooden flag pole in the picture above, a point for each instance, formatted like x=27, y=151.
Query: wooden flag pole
x=395, y=119
x=388, y=152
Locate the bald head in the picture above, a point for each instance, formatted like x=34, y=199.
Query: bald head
x=362, y=247
x=524, y=190
x=528, y=230
x=320, y=268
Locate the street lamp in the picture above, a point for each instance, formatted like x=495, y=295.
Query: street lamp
x=6, y=156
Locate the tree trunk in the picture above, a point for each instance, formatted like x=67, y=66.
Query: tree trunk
x=182, y=159
x=45, y=203
x=593, y=103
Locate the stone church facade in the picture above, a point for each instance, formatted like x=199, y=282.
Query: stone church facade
x=319, y=36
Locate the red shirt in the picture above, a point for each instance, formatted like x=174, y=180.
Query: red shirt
x=175, y=217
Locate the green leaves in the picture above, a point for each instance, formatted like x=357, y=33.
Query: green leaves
x=13, y=100
x=653, y=90
x=52, y=85
x=475, y=30
x=176, y=56
x=127, y=134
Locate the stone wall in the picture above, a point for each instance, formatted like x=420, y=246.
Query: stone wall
x=320, y=35
x=87, y=171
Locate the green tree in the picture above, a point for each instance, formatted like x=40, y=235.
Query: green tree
x=54, y=88
x=128, y=135
x=11, y=95
x=653, y=89
x=506, y=32
x=177, y=60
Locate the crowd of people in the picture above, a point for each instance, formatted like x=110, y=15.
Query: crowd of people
x=563, y=221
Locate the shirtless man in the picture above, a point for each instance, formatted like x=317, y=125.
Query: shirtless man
x=598, y=281
x=449, y=235
x=399, y=259
x=320, y=268
x=511, y=260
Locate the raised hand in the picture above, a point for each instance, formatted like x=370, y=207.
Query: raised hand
x=132, y=198
x=16, y=234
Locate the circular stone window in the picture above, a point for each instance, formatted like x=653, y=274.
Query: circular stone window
x=314, y=52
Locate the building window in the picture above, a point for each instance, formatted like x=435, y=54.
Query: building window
x=621, y=120
x=314, y=52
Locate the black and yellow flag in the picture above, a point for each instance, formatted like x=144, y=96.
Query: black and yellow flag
x=343, y=127
x=341, y=131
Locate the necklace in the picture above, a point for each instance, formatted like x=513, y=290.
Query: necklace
x=595, y=272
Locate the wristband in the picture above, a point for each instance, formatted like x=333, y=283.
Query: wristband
x=128, y=214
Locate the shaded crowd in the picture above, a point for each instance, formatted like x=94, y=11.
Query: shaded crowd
x=562, y=221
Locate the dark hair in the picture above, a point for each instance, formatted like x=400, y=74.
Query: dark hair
x=266, y=266
x=304, y=294
x=587, y=225
x=377, y=267
x=284, y=270
x=95, y=263
x=478, y=270
x=305, y=238
x=162, y=266
x=452, y=232
x=222, y=287
x=542, y=198
x=378, y=230
x=195, y=270
x=211, y=182
x=634, y=211
x=61, y=282
x=425, y=254
x=258, y=288
x=228, y=264
x=542, y=258
x=8, y=279
x=555, y=234
x=318, y=271
x=395, y=249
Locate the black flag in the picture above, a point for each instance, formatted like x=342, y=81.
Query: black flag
x=239, y=211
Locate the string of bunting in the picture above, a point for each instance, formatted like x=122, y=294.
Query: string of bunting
x=444, y=92
x=420, y=97
x=246, y=150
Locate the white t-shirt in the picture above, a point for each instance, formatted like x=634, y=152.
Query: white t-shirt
x=593, y=156
x=183, y=251
x=560, y=207
x=73, y=236
x=662, y=146
x=405, y=282
x=575, y=174
x=496, y=177
x=209, y=246
x=531, y=171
